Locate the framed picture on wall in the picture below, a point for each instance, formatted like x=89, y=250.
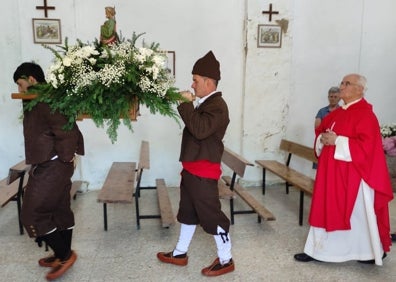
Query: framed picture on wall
x=171, y=62
x=269, y=36
x=46, y=31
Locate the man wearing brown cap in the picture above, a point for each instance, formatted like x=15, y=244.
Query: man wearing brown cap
x=201, y=151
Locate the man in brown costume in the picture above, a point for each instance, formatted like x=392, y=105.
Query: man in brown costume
x=50, y=149
x=201, y=151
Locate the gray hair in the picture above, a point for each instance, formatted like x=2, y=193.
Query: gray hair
x=334, y=89
x=362, y=81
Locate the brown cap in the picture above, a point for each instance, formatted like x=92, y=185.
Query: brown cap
x=207, y=66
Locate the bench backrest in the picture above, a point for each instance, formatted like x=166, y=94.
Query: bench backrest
x=144, y=161
x=11, y=188
x=235, y=162
x=17, y=171
x=302, y=151
x=144, y=157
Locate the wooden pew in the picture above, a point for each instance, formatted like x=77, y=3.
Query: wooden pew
x=118, y=186
x=225, y=191
x=166, y=213
x=165, y=206
x=123, y=182
x=238, y=165
x=12, y=187
x=291, y=176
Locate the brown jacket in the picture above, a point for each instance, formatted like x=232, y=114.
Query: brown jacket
x=204, y=129
x=46, y=137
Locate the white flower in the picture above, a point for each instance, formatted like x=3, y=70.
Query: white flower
x=51, y=78
x=88, y=50
x=61, y=78
x=92, y=61
x=159, y=60
x=77, y=61
x=67, y=61
x=55, y=67
x=104, y=55
x=74, y=70
x=111, y=74
x=143, y=54
x=388, y=130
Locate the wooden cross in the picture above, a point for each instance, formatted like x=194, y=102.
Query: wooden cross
x=270, y=12
x=45, y=8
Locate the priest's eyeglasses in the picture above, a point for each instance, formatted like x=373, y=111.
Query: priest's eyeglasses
x=347, y=83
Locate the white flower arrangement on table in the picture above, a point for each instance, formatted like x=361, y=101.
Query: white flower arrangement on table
x=388, y=133
x=103, y=81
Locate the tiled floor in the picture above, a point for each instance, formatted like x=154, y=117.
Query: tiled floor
x=262, y=252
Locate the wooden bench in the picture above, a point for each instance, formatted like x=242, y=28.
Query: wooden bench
x=165, y=208
x=225, y=191
x=238, y=165
x=12, y=190
x=76, y=185
x=120, y=187
x=291, y=176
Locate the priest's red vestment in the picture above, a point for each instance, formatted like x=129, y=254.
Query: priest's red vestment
x=337, y=182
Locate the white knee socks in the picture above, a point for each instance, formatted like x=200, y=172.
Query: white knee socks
x=185, y=237
x=223, y=243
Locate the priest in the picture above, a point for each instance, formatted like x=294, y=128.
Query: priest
x=349, y=214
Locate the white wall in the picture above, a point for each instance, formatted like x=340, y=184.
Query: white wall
x=332, y=39
x=271, y=93
x=11, y=142
x=267, y=87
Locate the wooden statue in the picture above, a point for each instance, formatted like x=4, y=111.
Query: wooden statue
x=108, y=32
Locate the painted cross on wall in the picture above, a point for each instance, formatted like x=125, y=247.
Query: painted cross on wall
x=270, y=12
x=45, y=7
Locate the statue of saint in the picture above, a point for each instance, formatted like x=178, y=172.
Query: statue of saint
x=108, y=32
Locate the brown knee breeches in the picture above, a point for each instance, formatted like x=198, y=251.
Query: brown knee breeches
x=200, y=204
x=46, y=202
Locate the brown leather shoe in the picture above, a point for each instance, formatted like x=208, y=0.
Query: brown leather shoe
x=61, y=267
x=48, y=261
x=216, y=268
x=180, y=260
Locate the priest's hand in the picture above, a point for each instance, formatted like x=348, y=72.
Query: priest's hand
x=328, y=138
